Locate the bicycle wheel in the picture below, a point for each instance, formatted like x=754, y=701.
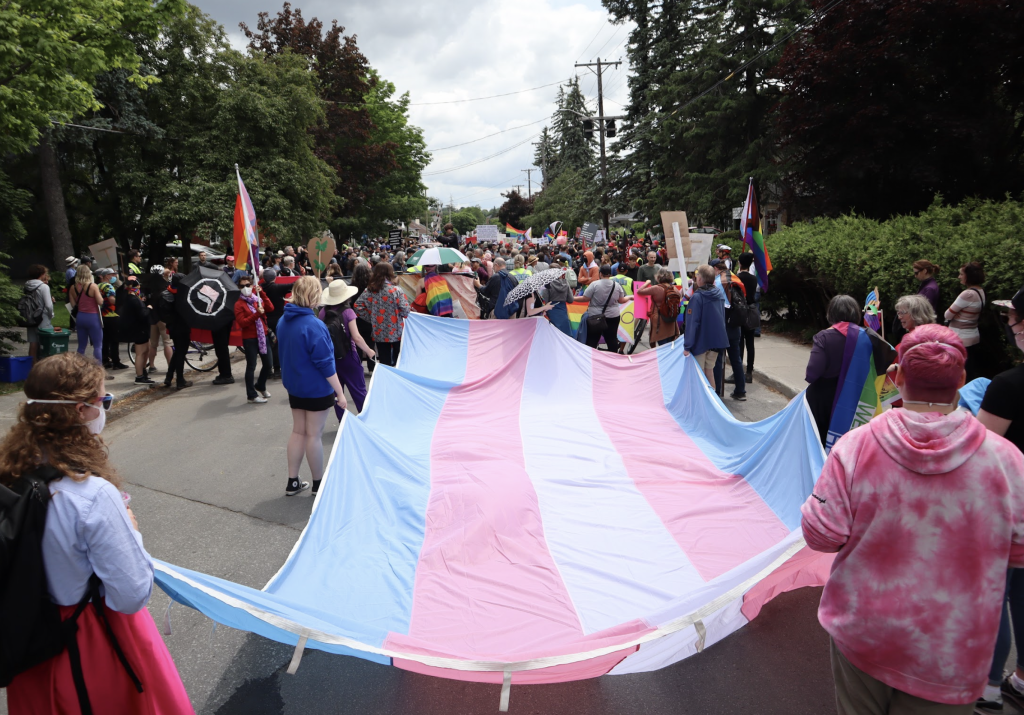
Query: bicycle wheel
x=197, y=354
x=131, y=352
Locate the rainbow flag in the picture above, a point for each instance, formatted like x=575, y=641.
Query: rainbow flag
x=872, y=307
x=510, y=229
x=750, y=229
x=439, y=298
x=247, y=239
x=576, y=311
x=862, y=392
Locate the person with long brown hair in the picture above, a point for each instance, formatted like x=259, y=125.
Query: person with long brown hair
x=385, y=307
x=89, y=531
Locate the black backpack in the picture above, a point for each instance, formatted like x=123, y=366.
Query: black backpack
x=742, y=314
x=31, y=630
x=31, y=307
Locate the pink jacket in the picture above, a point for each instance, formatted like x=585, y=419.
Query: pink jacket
x=926, y=513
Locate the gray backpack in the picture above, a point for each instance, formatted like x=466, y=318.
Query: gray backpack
x=31, y=307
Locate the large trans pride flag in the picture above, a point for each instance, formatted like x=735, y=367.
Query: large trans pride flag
x=495, y=515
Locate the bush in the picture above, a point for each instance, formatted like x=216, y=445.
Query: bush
x=10, y=318
x=816, y=260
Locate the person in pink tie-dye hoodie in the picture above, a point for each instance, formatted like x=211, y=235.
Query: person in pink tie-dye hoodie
x=925, y=508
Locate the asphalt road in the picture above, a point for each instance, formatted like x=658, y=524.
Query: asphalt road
x=206, y=472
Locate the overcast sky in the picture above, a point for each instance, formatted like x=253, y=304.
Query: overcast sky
x=456, y=49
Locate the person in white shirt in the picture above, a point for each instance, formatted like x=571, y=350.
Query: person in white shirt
x=90, y=529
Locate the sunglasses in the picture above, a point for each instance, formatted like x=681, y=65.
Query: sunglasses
x=106, y=401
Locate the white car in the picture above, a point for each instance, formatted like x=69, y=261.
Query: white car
x=212, y=254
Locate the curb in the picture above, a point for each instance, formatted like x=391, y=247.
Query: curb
x=135, y=389
x=784, y=389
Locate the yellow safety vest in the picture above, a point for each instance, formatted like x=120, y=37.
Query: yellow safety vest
x=626, y=282
x=520, y=272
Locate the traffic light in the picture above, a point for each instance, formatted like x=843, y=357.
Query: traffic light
x=588, y=129
x=609, y=128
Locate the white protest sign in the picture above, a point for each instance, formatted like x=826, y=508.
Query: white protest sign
x=487, y=232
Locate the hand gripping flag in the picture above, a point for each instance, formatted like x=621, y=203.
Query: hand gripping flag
x=247, y=242
x=750, y=228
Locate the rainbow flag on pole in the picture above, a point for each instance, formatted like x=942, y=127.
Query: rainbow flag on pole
x=247, y=241
x=510, y=229
x=576, y=311
x=750, y=229
x=862, y=392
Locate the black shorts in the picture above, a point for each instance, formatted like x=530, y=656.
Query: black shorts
x=312, y=404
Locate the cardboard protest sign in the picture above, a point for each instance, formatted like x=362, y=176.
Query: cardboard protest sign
x=321, y=251
x=395, y=238
x=588, y=232
x=677, y=240
x=105, y=253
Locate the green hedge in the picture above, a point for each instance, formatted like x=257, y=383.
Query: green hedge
x=816, y=260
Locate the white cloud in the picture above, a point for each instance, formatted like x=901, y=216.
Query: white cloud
x=458, y=49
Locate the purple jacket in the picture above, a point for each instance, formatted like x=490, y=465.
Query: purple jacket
x=930, y=290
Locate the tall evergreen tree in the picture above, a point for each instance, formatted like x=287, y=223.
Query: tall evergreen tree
x=574, y=150
x=691, y=144
x=546, y=157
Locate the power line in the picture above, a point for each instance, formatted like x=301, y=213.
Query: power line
x=609, y=40
x=599, y=30
x=500, y=183
x=486, y=158
x=94, y=129
x=458, y=101
x=453, y=146
x=812, y=19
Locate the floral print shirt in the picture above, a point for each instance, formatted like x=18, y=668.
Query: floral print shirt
x=384, y=311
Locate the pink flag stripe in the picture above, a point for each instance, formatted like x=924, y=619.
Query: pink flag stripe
x=718, y=519
x=486, y=586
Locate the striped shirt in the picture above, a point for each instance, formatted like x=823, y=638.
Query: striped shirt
x=963, y=315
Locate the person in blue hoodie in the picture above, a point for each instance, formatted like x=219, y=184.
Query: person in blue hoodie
x=310, y=376
x=705, y=334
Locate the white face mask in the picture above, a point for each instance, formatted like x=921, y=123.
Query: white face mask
x=247, y=291
x=96, y=425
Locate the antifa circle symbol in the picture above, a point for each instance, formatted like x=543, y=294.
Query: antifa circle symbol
x=207, y=296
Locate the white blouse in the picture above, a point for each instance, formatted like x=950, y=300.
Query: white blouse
x=88, y=531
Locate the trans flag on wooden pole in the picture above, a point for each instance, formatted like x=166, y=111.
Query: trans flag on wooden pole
x=750, y=228
x=247, y=242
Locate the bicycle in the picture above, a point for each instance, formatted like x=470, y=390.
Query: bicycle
x=195, y=356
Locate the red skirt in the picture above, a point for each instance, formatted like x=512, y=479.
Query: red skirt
x=48, y=689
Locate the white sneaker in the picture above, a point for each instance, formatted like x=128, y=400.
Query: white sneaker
x=265, y=394
x=258, y=400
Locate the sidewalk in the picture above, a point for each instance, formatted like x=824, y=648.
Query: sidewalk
x=120, y=383
x=780, y=363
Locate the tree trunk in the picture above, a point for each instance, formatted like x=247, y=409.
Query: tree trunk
x=53, y=198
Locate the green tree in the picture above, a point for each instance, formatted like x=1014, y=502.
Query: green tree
x=690, y=143
x=546, y=156
x=398, y=195
x=573, y=198
x=51, y=51
x=575, y=151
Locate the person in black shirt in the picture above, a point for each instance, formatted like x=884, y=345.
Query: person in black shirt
x=1002, y=412
x=750, y=286
x=276, y=294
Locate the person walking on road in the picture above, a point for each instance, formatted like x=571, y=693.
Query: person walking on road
x=111, y=323
x=385, y=307
x=604, y=296
x=134, y=326
x=705, y=335
x=664, y=308
x=85, y=299
x=341, y=324
x=924, y=508
x=310, y=376
x=251, y=310
x=90, y=540
x=180, y=332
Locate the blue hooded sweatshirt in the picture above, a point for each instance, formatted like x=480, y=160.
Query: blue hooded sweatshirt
x=705, y=322
x=306, y=351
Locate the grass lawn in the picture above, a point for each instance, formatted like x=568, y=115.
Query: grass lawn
x=9, y=388
x=61, y=317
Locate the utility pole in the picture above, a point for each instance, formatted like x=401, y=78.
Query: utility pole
x=519, y=189
x=529, y=185
x=603, y=126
